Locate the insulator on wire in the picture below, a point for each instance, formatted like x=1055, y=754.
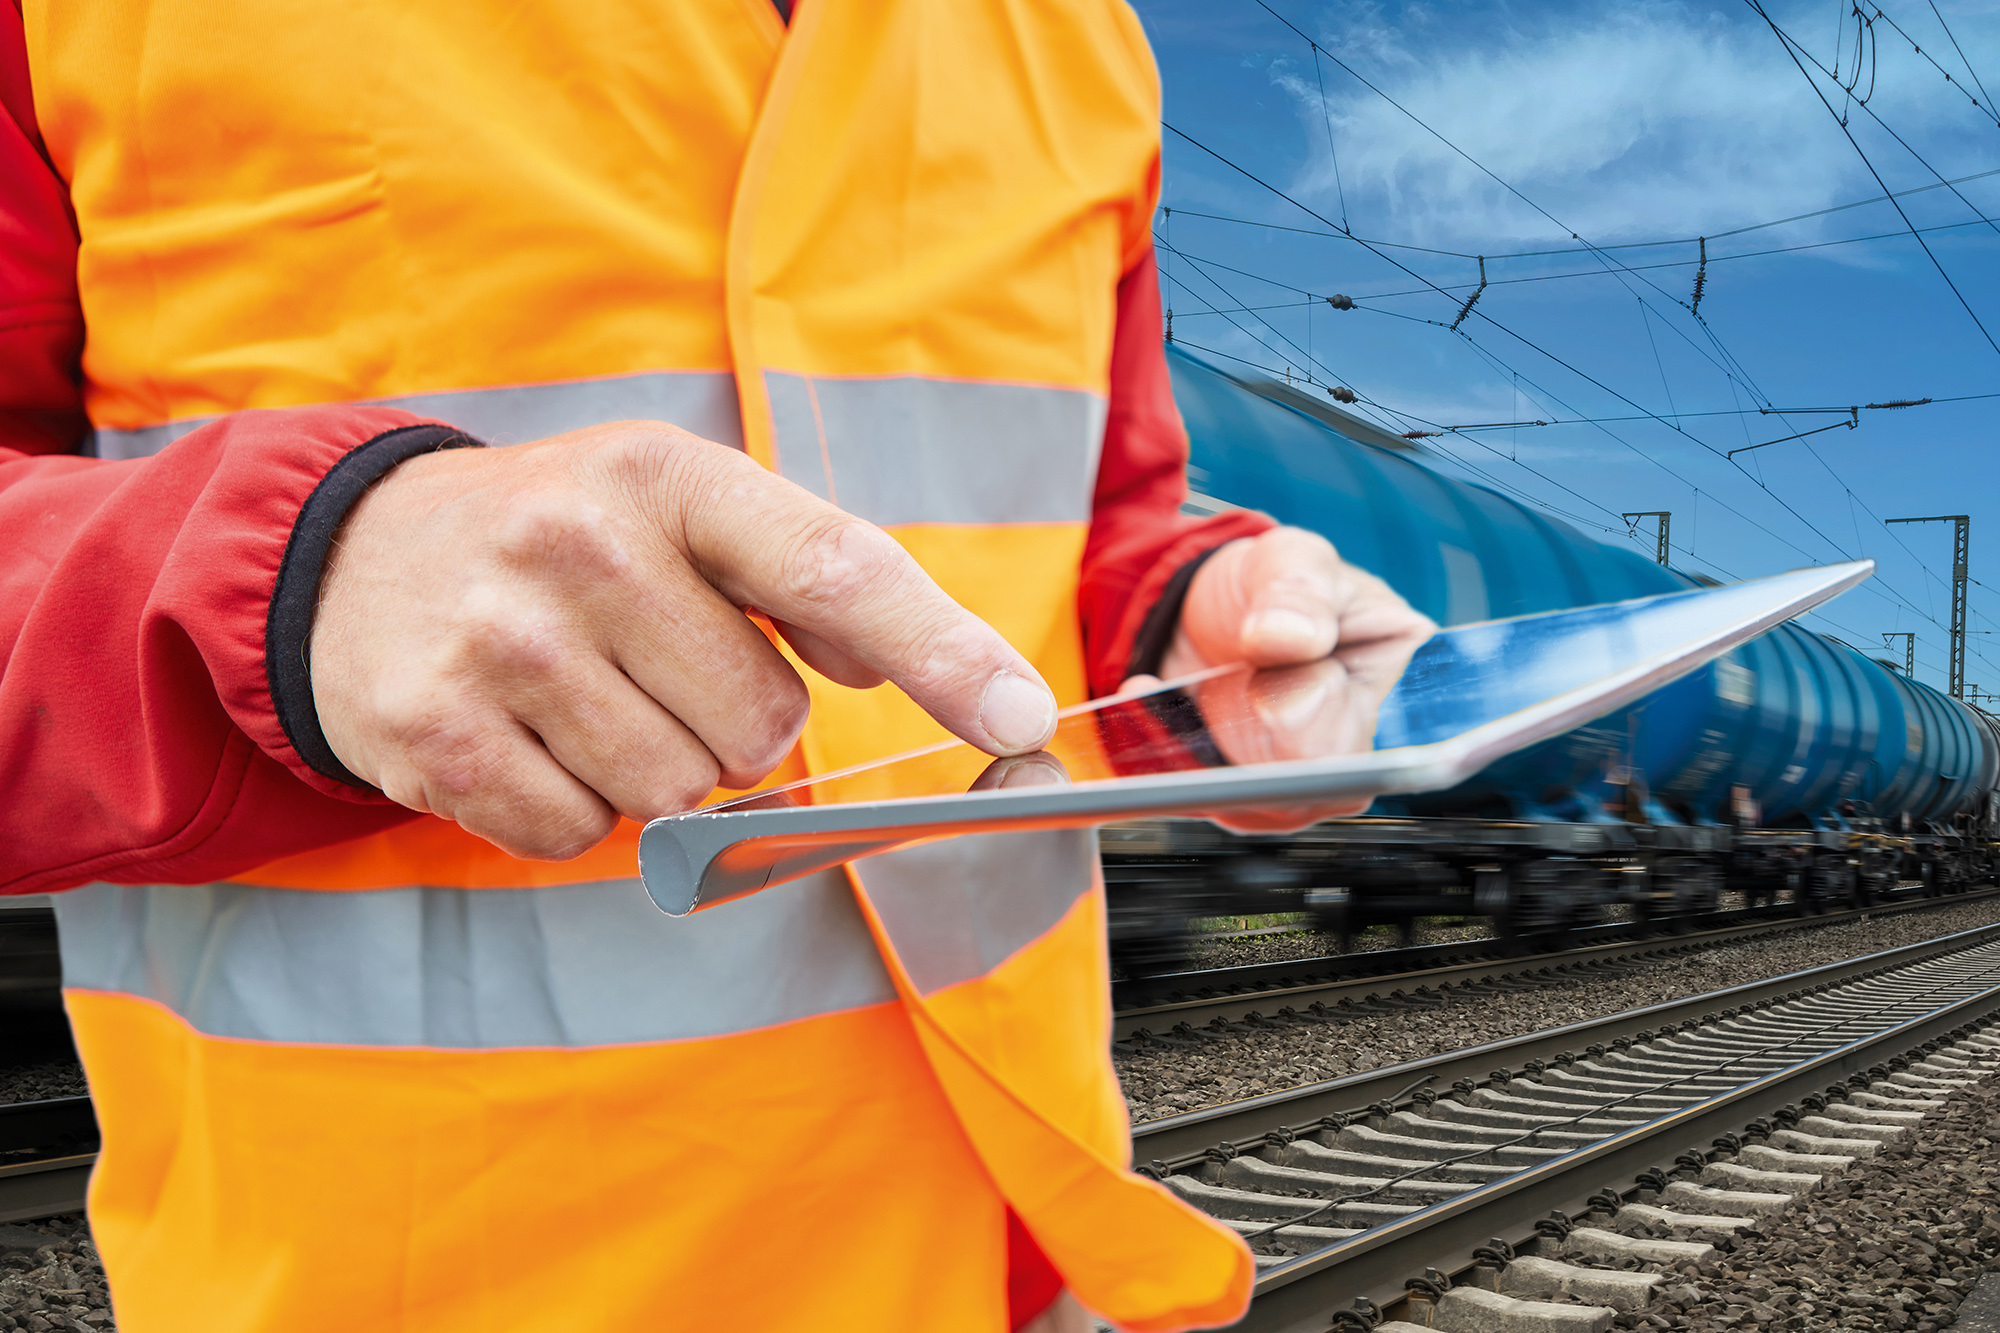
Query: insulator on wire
x=1420, y=434
x=1340, y=393
x=1473, y=299
x=1899, y=402
x=1339, y=302
x=1700, y=279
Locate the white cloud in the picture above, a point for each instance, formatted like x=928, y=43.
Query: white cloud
x=1626, y=121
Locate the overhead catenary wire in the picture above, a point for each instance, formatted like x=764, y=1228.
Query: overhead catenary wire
x=1786, y=40
x=1620, y=245
x=1730, y=371
x=1326, y=114
x=1310, y=360
x=1986, y=109
x=1952, y=37
x=1874, y=587
x=1980, y=221
x=1437, y=288
x=1688, y=554
x=1798, y=53
x=1895, y=599
x=1615, y=269
x=1595, y=251
x=1311, y=299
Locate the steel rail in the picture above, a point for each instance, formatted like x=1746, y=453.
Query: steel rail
x=45, y=1187
x=55, y=1182
x=1181, y=1139
x=1297, y=1296
x=1138, y=1004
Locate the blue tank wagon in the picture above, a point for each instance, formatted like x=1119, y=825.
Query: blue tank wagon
x=1794, y=769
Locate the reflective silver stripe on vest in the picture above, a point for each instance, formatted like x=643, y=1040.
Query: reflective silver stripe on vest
x=572, y=965
x=909, y=450
x=958, y=909
x=576, y=965
x=701, y=402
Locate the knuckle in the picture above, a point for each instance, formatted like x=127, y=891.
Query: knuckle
x=456, y=763
x=441, y=749
x=767, y=729
x=504, y=635
x=572, y=837
x=786, y=707
x=558, y=835
x=948, y=648
x=563, y=532
x=834, y=557
x=687, y=782
x=649, y=464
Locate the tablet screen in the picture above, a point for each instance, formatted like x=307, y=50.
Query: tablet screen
x=1461, y=678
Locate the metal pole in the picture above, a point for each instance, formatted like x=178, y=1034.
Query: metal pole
x=1962, y=534
x=1664, y=552
x=1962, y=540
x=1909, y=650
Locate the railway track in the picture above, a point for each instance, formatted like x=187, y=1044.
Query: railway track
x=1157, y=1006
x=1514, y=1185
x=45, y=1163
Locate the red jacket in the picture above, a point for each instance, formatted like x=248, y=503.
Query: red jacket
x=138, y=740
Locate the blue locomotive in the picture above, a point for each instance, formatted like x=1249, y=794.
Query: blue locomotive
x=1794, y=769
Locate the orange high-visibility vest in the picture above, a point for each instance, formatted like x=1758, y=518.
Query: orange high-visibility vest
x=410, y=1083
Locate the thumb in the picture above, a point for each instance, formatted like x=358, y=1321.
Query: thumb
x=1291, y=587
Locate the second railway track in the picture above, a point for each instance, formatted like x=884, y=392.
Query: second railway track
x=1541, y=1166
x=1157, y=1006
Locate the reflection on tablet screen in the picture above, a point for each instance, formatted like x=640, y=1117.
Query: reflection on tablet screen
x=1232, y=716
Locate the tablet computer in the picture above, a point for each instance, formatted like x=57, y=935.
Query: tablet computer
x=1234, y=739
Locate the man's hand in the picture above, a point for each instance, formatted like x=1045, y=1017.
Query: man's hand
x=535, y=640
x=1284, y=599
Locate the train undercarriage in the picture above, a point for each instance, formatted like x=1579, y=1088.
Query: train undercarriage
x=1535, y=881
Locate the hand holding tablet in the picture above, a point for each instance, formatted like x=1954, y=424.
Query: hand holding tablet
x=1254, y=748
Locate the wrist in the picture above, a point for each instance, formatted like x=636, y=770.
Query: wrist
x=295, y=601
x=1161, y=645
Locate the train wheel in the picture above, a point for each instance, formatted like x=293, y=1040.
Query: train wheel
x=1164, y=946
x=1544, y=901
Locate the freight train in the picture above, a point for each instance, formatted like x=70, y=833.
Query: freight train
x=1794, y=770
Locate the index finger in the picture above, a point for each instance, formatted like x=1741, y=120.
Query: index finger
x=766, y=542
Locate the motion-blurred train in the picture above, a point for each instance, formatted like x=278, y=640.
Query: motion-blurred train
x=1795, y=769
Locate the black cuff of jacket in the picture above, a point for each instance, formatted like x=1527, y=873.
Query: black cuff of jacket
x=295, y=600
x=1156, y=633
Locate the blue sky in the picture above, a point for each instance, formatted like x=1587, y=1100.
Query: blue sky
x=1620, y=123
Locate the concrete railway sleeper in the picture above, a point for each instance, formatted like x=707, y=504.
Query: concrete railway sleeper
x=1485, y=1209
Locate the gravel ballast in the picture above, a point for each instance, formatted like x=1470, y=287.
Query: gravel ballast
x=1161, y=1080
x=50, y=1278
x=37, y=1082
x=1894, y=1243
x=1242, y=950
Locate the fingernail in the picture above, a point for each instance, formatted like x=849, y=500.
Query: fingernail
x=1034, y=771
x=1017, y=713
x=1298, y=710
x=1278, y=631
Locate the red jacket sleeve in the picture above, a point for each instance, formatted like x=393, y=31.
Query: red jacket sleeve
x=1138, y=535
x=138, y=737
x=41, y=326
